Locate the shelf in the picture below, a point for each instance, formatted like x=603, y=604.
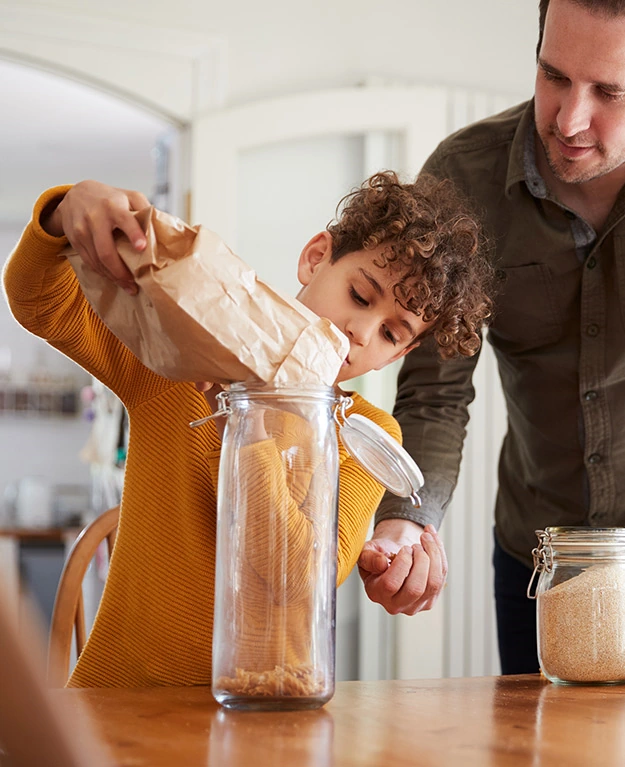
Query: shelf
x=39, y=399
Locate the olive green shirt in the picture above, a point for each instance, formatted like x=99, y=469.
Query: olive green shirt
x=559, y=337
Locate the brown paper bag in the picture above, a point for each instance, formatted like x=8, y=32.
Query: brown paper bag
x=201, y=314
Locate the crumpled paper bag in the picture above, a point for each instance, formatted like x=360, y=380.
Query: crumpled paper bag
x=202, y=314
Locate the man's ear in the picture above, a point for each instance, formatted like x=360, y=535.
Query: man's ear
x=316, y=250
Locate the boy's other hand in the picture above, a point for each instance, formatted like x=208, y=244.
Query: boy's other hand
x=88, y=216
x=403, y=566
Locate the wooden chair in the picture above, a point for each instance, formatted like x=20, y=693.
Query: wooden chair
x=68, y=615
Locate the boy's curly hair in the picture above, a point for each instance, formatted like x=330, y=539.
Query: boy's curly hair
x=436, y=247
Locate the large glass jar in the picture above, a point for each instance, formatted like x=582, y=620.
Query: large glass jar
x=273, y=640
x=581, y=604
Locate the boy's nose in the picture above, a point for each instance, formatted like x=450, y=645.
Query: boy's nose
x=359, y=332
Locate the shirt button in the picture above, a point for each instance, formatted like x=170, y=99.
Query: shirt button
x=594, y=458
x=591, y=263
x=592, y=330
x=590, y=395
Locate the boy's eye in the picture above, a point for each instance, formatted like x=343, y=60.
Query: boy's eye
x=388, y=335
x=357, y=297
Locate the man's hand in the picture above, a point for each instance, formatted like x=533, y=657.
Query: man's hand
x=403, y=566
x=88, y=216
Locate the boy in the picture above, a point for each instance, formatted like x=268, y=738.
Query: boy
x=401, y=261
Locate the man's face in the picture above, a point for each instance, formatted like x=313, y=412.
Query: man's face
x=356, y=295
x=580, y=92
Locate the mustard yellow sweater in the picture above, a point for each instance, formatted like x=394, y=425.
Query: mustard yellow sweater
x=154, y=624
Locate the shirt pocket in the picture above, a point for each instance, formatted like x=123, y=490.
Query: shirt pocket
x=527, y=313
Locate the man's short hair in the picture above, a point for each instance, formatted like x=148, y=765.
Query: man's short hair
x=607, y=8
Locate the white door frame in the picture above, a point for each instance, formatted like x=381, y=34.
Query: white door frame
x=417, y=114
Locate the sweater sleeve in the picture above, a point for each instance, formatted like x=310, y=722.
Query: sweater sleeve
x=279, y=531
x=45, y=298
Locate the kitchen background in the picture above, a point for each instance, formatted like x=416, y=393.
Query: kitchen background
x=255, y=120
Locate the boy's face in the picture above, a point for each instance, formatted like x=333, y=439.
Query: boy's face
x=356, y=295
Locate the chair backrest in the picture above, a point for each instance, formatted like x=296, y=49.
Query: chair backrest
x=68, y=615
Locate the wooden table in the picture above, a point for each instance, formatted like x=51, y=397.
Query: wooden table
x=485, y=722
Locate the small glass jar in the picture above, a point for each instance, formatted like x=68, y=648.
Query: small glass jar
x=581, y=604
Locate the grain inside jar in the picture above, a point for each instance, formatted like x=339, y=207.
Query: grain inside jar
x=582, y=626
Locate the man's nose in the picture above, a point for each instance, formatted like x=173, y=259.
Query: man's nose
x=575, y=113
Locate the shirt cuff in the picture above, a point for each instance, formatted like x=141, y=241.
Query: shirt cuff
x=435, y=497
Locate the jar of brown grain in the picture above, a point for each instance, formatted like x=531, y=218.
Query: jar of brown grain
x=581, y=604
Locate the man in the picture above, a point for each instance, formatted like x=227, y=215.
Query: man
x=547, y=176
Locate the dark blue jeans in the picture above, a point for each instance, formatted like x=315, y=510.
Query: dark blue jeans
x=516, y=615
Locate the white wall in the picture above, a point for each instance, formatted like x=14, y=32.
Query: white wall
x=56, y=131
x=280, y=46
x=45, y=446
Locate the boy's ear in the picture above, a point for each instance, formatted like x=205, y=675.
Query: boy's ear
x=316, y=250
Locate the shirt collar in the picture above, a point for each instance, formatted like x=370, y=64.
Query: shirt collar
x=522, y=162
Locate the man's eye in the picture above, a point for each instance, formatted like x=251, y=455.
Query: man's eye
x=388, y=335
x=358, y=298
x=609, y=96
x=552, y=77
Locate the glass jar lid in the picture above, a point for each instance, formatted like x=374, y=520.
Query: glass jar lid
x=587, y=545
x=381, y=456
x=572, y=540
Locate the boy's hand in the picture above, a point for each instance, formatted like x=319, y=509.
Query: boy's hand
x=88, y=215
x=403, y=567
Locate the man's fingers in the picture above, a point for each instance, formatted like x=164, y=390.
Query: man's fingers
x=439, y=542
x=436, y=580
x=372, y=562
x=384, y=588
x=416, y=583
x=414, y=579
x=426, y=580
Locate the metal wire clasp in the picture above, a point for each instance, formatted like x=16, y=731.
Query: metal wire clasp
x=543, y=559
x=343, y=404
x=223, y=409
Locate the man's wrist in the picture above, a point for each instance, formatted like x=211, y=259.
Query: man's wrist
x=403, y=531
